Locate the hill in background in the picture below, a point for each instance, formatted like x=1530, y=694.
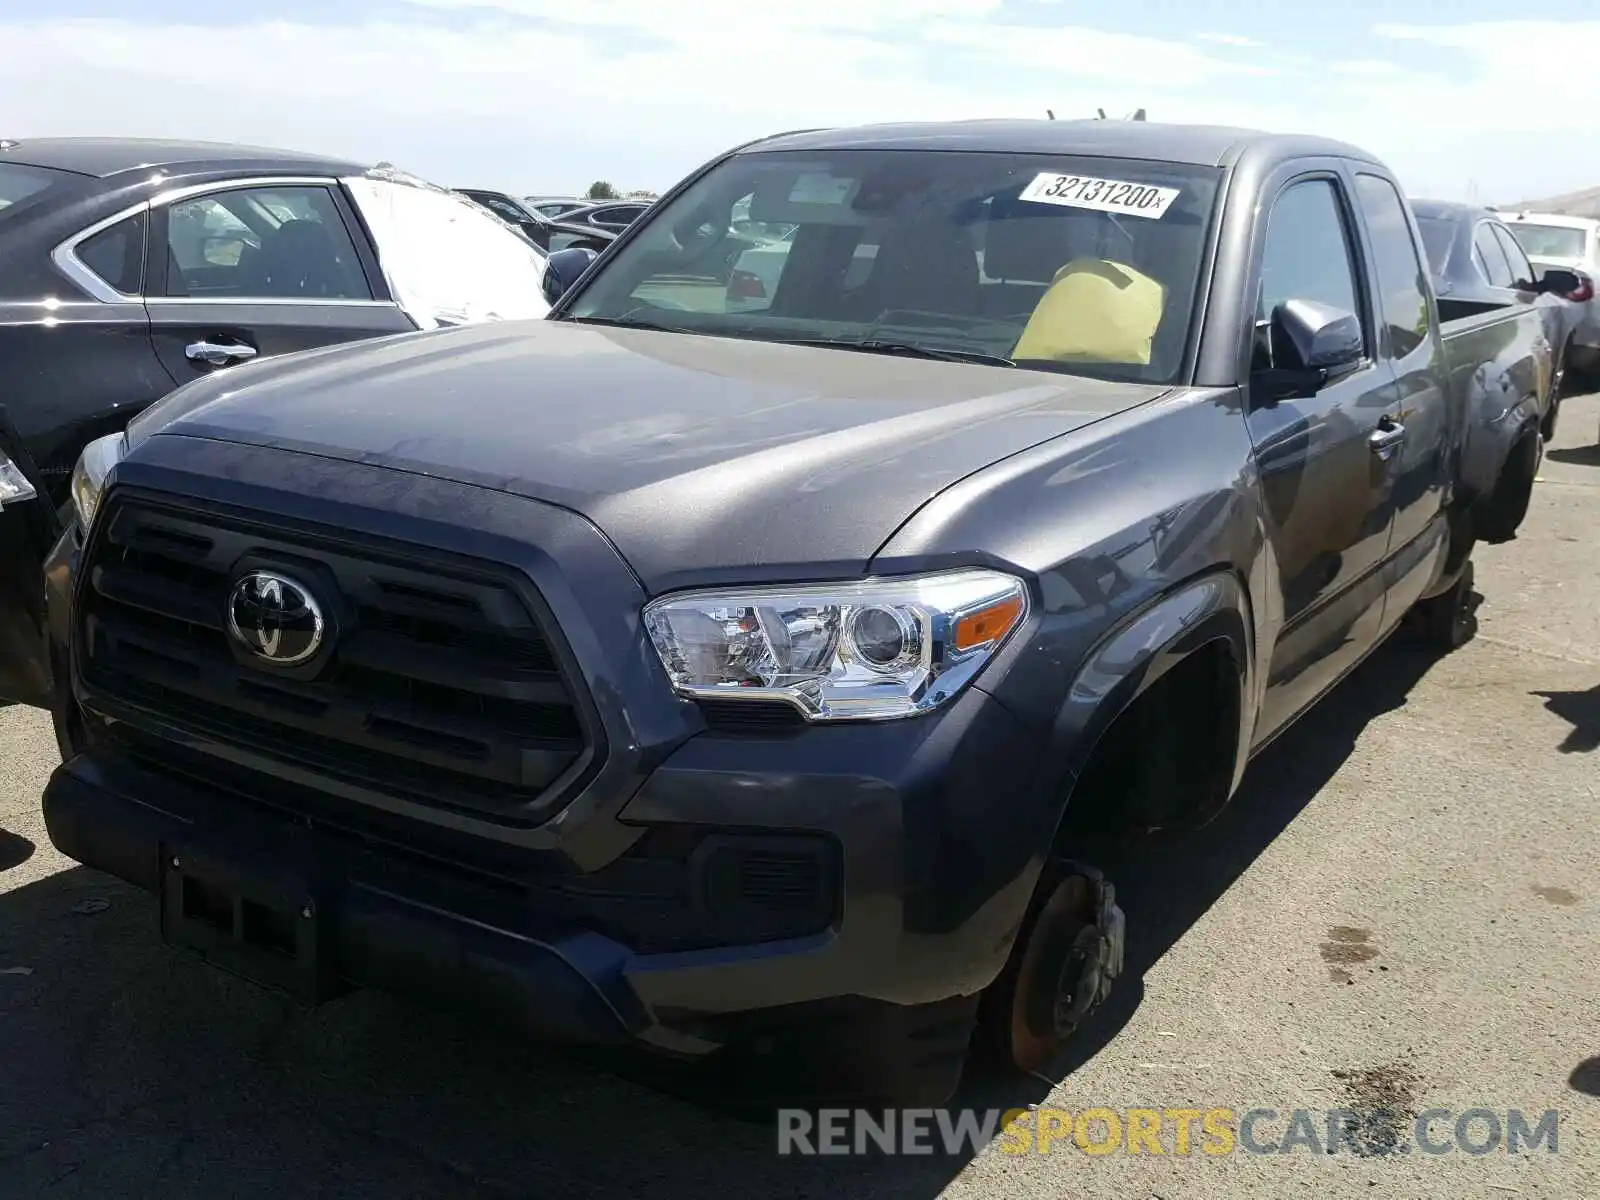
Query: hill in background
x=1574, y=204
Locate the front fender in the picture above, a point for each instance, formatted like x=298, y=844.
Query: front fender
x=1132, y=656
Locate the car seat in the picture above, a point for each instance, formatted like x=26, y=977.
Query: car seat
x=1095, y=310
x=298, y=258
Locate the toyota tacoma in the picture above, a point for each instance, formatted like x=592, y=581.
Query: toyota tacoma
x=733, y=664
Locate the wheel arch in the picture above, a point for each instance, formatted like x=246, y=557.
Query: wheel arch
x=1205, y=613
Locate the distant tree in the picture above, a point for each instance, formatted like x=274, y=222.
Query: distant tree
x=601, y=190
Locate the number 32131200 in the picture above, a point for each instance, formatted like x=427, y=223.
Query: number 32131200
x=1104, y=195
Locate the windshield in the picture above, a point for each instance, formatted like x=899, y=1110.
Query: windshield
x=19, y=183
x=1550, y=241
x=1081, y=265
x=448, y=260
x=1437, y=235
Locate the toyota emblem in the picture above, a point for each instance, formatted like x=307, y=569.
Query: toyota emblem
x=275, y=618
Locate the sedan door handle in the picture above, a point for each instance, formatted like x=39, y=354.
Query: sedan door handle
x=1387, y=436
x=218, y=354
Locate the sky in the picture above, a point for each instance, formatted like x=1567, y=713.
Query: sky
x=546, y=96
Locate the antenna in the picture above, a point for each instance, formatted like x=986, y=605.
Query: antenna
x=1138, y=115
x=1102, y=113
x=1050, y=113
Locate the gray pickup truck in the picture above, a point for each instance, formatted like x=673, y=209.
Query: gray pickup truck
x=729, y=665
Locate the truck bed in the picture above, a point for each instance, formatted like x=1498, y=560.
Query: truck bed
x=1500, y=365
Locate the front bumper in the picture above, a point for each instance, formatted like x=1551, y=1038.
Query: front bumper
x=379, y=927
x=931, y=883
x=938, y=825
x=879, y=1003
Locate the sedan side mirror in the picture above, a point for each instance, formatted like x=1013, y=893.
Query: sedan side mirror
x=1561, y=282
x=1311, y=344
x=562, y=269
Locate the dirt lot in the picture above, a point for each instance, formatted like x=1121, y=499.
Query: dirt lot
x=1402, y=907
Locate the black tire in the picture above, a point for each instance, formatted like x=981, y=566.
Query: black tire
x=1066, y=957
x=1449, y=620
x=1498, y=516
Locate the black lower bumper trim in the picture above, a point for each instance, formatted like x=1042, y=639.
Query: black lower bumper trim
x=565, y=985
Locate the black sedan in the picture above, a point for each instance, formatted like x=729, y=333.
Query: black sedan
x=548, y=234
x=130, y=267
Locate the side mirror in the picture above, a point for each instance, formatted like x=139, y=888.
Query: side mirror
x=1560, y=281
x=562, y=268
x=1310, y=344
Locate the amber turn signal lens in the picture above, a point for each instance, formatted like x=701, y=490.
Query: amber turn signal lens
x=988, y=624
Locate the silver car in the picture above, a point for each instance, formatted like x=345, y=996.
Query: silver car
x=1557, y=240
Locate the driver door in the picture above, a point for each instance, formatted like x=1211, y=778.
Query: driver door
x=252, y=270
x=28, y=530
x=1325, y=465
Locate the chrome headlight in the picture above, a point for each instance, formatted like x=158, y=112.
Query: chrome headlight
x=89, y=476
x=874, y=649
x=14, y=485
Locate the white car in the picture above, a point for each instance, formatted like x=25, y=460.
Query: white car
x=1557, y=240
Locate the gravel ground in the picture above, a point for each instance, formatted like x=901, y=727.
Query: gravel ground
x=1401, y=908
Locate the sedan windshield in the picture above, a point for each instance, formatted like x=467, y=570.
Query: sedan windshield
x=1549, y=241
x=1081, y=265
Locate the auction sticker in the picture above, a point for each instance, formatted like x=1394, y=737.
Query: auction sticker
x=1102, y=195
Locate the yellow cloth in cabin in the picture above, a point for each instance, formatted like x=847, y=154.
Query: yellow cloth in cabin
x=1095, y=310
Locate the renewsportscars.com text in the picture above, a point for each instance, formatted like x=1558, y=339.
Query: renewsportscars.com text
x=1170, y=1131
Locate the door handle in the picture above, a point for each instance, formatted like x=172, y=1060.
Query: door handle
x=218, y=354
x=1388, y=435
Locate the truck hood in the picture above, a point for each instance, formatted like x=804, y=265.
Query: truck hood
x=694, y=454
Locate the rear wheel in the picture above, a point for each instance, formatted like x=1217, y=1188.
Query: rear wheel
x=1499, y=515
x=1449, y=620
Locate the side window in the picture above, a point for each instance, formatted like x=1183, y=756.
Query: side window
x=1521, y=268
x=1307, y=253
x=620, y=216
x=116, y=254
x=1487, y=253
x=1403, y=301
x=262, y=243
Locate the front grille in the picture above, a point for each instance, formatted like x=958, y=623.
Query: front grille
x=441, y=684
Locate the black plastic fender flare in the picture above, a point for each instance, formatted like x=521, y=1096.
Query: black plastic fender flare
x=1140, y=650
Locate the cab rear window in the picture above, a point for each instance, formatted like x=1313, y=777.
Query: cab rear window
x=19, y=183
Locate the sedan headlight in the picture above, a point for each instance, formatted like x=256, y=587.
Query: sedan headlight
x=875, y=649
x=14, y=485
x=89, y=476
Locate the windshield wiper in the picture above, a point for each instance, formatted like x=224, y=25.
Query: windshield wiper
x=907, y=349
x=865, y=345
x=625, y=322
